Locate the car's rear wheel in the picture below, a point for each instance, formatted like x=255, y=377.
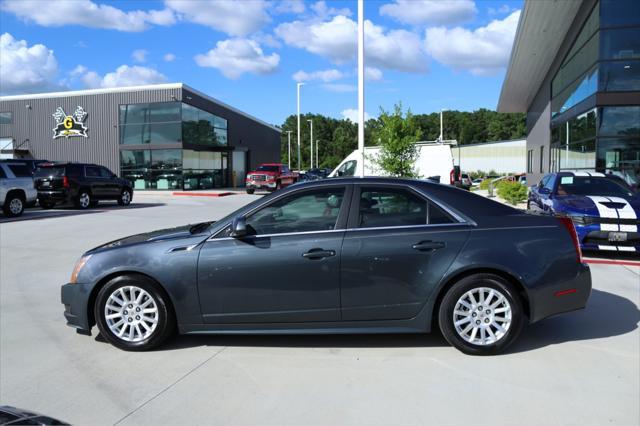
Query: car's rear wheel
x=250, y=191
x=83, y=200
x=132, y=314
x=125, y=197
x=481, y=314
x=13, y=205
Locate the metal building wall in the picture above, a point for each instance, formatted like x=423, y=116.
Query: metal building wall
x=502, y=157
x=36, y=122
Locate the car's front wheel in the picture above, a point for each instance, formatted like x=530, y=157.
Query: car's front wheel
x=481, y=314
x=132, y=314
x=125, y=197
x=83, y=201
x=250, y=191
x=13, y=205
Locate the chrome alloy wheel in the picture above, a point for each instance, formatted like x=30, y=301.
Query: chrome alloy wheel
x=84, y=200
x=126, y=197
x=15, y=206
x=482, y=316
x=131, y=314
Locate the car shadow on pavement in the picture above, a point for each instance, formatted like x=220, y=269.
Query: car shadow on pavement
x=606, y=315
x=434, y=339
x=37, y=213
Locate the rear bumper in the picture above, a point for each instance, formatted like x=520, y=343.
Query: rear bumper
x=54, y=196
x=75, y=298
x=562, y=297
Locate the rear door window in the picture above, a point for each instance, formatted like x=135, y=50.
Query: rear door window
x=391, y=207
x=105, y=173
x=92, y=171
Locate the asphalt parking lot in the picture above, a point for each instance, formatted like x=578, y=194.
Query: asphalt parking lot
x=581, y=368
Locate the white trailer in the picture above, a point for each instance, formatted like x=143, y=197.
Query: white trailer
x=435, y=159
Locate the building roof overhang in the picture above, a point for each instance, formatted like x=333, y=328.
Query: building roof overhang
x=542, y=28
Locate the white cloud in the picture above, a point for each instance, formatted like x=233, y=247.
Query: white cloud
x=352, y=114
x=324, y=75
x=336, y=40
x=373, y=74
x=169, y=57
x=323, y=11
x=289, y=6
x=236, y=18
x=24, y=68
x=139, y=55
x=235, y=57
x=502, y=10
x=438, y=12
x=86, y=13
x=340, y=87
x=483, y=51
x=123, y=76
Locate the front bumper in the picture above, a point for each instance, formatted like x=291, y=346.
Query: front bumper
x=562, y=297
x=75, y=298
x=260, y=185
x=592, y=237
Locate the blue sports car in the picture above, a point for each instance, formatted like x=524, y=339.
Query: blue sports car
x=604, y=209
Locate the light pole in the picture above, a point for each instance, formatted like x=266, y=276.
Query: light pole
x=361, y=83
x=298, y=89
x=317, y=153
x=289, y=148
x=441, y=127
x=311, y=143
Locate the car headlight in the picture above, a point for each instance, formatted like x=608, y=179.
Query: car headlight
x=581, y=220
x=78, y=267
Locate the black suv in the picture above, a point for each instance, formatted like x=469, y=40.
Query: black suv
x=81, y=184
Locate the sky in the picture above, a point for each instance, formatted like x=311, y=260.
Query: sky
x=427, y=54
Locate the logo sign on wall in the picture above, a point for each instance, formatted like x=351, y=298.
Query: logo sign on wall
x=70, y=125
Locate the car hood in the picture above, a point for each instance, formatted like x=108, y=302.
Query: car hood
x=159, y=235
x=594, y=205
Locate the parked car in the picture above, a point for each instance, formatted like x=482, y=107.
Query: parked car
x=603, y=208
x=29, y=162
x=16, y=188
x=17, y=416
x=339, y=255
x=84, y=185
x=271, y=176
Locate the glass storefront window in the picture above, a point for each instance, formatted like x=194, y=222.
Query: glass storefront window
x=156, y=112
x=6, y=117
x=151, y=123
x=619, y=121
x=576, y=92
x=581, y=155
x=202, y=128
x=166, y=158
x=614, y=13
x=620, y=43
x=583, y=126
x=620, y=157
x=135, y=159
x=619, y=76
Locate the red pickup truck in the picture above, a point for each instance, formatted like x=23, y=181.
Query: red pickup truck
x=270, y=176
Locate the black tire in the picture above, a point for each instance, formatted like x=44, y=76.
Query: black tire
x=456, y=292
x=125, y=197
x=164, y=327
x=46, y=204
x=250, y=191
x=83, y=200
x=13, y=205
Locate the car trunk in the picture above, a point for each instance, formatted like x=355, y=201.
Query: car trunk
x=49, y=178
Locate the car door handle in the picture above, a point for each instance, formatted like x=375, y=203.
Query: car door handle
x=318, y=254
x=429, y=245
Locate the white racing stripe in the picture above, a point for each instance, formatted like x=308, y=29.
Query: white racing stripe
x=626, y=212
x=611, y=248
x=625, y=248
x=605, y=212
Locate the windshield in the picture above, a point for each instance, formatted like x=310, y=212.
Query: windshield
x=588, y=185
x=49, y=171
x=267, y=169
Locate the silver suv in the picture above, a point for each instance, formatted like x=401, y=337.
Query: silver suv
x=16, y=188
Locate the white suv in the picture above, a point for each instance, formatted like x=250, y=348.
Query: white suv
x=16, y=188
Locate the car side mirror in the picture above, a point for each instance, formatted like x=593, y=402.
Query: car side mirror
x=239, y=227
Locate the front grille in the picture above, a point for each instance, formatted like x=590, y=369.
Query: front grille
x=259, y=178
x=616, y=221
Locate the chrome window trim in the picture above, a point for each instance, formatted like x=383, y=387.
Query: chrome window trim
x=284, y=234
x=391, y=228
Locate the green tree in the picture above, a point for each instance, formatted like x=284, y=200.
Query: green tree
x=397, y=135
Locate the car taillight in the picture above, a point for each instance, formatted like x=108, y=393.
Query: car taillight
x=452, y=176
x=568, y=224
x=65, y=182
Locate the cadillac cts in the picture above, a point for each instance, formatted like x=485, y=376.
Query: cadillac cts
x=351, y=255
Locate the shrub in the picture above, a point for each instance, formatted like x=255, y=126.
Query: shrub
x=512, y=192
x=485, y=184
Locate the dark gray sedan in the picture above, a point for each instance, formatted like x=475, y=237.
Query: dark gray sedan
x=369, y=255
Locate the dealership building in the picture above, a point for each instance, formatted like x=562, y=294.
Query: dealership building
x=165, y=136
x=575, y=71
